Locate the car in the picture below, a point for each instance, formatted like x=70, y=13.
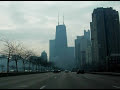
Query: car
x=66, y=71
x=56, y=71
x=80, y=71
x=74, y=70
x=30, y=70
x=52, y=70
x=12, y=70
x=26, y=71
x=47, y=70
x=59, y=70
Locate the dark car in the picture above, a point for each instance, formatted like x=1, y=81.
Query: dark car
x=56, y=71
x=74, y=70
x=80, y=71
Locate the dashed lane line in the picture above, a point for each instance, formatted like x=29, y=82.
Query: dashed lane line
x=42, y=87
x=116, y=87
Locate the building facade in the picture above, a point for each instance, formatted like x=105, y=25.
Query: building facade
x=44, y=56
x=83, y=50
x=105, y=36
x=51, y=50
x=60, y=53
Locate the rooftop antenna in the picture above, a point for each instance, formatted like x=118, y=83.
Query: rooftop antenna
x=58, y=18
x=63, y=18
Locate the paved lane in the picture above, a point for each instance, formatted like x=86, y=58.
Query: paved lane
x=60, y=81
x=83, y=81
x=23, y=81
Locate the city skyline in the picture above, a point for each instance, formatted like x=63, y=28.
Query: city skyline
x=60, y=45
x=34, y=25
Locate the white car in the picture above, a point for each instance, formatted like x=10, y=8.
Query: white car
x=26, y=70
x=12, y=70
x=66, y=71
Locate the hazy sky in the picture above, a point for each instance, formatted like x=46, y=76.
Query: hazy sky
x=34, y=22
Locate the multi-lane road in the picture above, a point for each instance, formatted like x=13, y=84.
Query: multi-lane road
x=61, y=80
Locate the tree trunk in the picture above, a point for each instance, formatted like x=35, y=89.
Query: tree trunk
x=2, y=69
x=23, y=65
x=32, y=67
x=8, y=65
x=29, y=66
x=39, y=67
x=16, y=66
x=36, y=67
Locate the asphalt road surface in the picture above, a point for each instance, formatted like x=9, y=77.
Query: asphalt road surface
x=61, y=80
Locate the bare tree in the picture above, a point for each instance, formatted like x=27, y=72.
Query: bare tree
x=13, y=67
x=16, y=53
x=35, y=60
x=7, y=51
x=2, y=67
x=12, y=50
x=23, y=57
x=25, y=54
x=29, y=60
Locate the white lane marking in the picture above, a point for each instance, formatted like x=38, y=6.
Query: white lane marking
x=87, y=77
x=116, y=86
x=55, y=77
x=42, y=87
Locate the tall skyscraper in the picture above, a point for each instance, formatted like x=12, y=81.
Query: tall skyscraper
x=51, y=50
x=87, y=34
x=105, y=36
x=44, y=56
x=82, y=44
x=60, y=39
x=60, y=53
x=77, y=52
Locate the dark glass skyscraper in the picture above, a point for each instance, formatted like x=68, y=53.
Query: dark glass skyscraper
x=105, y=36
x=51, y=49
x=60, y=39
x=60, y=53
x=82, y=50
